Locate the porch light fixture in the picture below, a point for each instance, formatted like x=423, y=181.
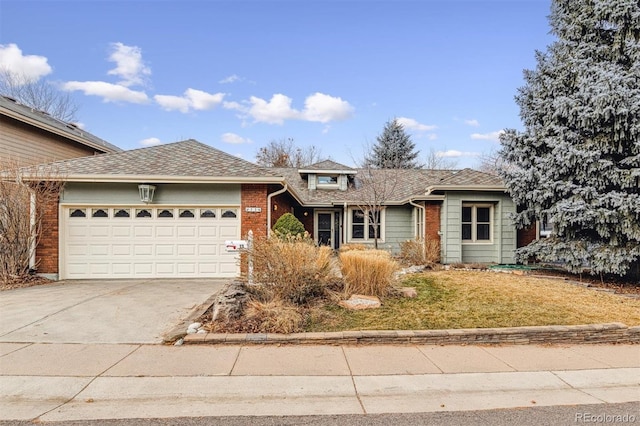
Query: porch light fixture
x=146, y=192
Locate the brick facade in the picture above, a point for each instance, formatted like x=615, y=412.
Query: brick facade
x=254, y=195
x=432, y=221
x=527, y=235
x=47, y=250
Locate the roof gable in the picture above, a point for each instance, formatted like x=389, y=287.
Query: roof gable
x=42, y=120
x=183, y=159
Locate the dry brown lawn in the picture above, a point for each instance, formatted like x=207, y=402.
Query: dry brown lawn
x=470, y=299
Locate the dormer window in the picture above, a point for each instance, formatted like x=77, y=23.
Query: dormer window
x=327, y=180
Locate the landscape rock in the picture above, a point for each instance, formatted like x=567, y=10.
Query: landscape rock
x=359, y=301
x=230, y=302
x=409, y=292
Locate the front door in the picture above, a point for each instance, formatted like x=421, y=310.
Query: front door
x=324, y=228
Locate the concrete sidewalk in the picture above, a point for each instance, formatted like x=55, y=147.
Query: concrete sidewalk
x=57, y=382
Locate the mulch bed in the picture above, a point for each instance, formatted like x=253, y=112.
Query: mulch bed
x=25, y=281
x=609, y=282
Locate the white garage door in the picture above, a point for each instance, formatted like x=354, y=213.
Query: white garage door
x=140, y=242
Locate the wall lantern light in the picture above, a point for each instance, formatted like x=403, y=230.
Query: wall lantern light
x=146, y=192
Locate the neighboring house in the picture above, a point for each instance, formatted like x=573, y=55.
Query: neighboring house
x=167, y=211
x=28, y=136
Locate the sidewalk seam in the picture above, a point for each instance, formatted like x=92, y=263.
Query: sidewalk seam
x=86, y=386
x=353, y=381
x=578, y=389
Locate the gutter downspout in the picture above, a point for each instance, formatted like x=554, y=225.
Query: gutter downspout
x=424, y=217
x=269, y=197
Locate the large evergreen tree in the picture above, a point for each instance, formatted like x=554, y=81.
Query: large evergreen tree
x=577, y=162
x=394, y=149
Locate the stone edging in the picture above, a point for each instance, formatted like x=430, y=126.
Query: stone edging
x=573, y=334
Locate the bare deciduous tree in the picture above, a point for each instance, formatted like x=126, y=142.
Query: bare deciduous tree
x=24, y=196
x=40, y=95
x=437, y=162
x=284, y=153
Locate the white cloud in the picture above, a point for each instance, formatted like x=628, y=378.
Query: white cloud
x=150, y=142
x=232, y=138
x=473, y=122
x=432, y=136
x=129, y=64
x=108, y=91
x=275, y=111
x=452, y=153
x=411, y=124
x=28, y=67
x=325, y=108
x=192, y=99
x=493, y=136
x=230, y=79
x=172, y=103
x=318, y=108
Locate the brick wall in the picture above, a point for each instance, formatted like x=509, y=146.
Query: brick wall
x=254, y=195
x=287, y=204
x=47, y=249
x=432, y=220
x=526, y=235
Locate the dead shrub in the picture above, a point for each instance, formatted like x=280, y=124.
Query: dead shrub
x=293, y=268
x=275, y=316
x=349, y=247
x=368, y=272
x=420, y=252
x=25, y=194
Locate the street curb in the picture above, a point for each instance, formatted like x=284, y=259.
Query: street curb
x=573, y=334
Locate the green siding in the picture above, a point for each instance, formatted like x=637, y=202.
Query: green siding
x=502, y=247
x=127, y=193
x=398, y=226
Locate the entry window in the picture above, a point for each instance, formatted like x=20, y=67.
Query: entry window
x=476, y=223
x=229, y=213
x=365, y=225
x=122, y=213
x=77, y=213
x=143, y=213
x=100, y=213
x=208, y=213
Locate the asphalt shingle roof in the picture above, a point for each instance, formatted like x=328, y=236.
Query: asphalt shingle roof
x=406, y=183
x=65, y=128
x=327, y=165
x=185, y=158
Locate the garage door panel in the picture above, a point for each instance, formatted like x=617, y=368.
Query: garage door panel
x=186, y=231
x=122, y=269
x=207, y=249
x=228, y=231
x=152, y=246
x=121, y=231
x=165, y=231
x=165, y=250
x=143, y=249
x=99, y=250
x=121, y=250
x=143, y=231
x=207, y=231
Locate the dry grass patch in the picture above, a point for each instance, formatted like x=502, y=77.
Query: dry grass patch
x=469, y=299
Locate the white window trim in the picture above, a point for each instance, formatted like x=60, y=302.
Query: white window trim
x=366, y=239
x=474, y=224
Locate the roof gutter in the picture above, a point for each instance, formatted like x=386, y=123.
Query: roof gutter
x=269, y=197
x=497, y=188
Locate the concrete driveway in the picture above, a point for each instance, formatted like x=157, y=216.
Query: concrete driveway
x=101, y=311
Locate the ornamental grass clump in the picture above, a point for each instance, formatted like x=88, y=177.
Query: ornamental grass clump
x=420, y=252
x=293, y=268
x=367, y=272
x=274, y=316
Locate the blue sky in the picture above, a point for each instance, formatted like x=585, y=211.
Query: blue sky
x=239, y=74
